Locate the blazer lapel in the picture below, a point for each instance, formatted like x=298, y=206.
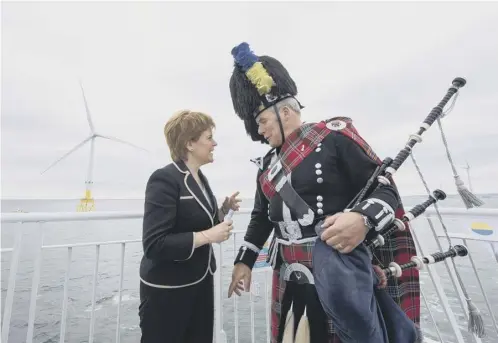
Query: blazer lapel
x=195, y=190
x=210, y=194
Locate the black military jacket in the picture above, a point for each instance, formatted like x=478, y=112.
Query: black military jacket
x=327, y=180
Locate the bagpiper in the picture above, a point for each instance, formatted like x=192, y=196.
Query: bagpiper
x=304, y=185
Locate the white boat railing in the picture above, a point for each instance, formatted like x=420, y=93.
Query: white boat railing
x=458, y=327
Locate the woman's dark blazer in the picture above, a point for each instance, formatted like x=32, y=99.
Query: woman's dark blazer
x=175, y=207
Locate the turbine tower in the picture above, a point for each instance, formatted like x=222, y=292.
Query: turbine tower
x=87, y=203
x=467, y=167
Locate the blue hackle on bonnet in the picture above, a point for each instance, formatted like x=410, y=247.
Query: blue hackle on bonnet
x=243, y=56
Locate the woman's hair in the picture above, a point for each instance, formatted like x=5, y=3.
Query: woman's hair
x=185, y=126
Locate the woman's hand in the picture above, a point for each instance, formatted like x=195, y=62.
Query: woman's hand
x=220, y=232
x=231, y=203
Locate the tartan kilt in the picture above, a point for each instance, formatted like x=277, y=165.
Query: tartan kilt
x=302, y=254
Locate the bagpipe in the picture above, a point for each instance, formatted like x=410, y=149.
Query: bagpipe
x=389, y=167
x=383, y=176
x=408, y=216
x=418, y=262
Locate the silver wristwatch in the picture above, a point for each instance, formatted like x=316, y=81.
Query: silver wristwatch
x=368, y=222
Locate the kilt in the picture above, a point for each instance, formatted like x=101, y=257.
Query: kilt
x=321, y=328
x=392, y=322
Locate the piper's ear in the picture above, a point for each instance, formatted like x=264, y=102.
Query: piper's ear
x=285, y=112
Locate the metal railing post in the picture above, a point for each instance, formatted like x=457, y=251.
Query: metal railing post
x=219, y=333
x=9, y=298
x=34, y=287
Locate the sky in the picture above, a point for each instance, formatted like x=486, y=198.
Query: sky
x=385, y=65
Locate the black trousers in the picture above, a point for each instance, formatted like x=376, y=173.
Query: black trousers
x=177, y=315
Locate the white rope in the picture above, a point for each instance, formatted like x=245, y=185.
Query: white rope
x=468, y=198
x=476, y=324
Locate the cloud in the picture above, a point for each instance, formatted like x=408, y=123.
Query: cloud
x=383, y=64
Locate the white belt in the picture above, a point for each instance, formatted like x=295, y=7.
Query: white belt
x=278, y=241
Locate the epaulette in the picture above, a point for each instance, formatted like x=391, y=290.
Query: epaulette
x=261, y=161
x=338, y=123
x=258, y=161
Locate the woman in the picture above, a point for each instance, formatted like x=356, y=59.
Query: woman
x=181, y=221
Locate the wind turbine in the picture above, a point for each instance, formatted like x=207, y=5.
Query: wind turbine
x=87, y=203
x=467, y=167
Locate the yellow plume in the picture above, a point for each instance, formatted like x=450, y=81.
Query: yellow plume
x=258, y=75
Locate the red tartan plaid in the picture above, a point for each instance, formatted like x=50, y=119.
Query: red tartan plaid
x=291, y=254
x=298, y=145
x=399, y=247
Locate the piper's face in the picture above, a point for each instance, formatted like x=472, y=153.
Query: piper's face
x=268, y=127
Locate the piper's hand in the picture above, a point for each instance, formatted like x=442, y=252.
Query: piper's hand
x=231, y=203
x=344, y=231
x=241, y=276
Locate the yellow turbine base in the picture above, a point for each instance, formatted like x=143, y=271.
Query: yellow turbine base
x=87, y=204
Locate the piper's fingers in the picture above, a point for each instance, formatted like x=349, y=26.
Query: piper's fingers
x=247, y=282
x=233, y=286
x=333, y=241
x=239, y=288
x=328, y=233
x=347, y=249
x=329, y=221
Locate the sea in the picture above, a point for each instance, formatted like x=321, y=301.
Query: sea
x=250, y=329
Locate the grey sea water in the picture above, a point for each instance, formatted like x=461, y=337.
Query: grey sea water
x=54, y=266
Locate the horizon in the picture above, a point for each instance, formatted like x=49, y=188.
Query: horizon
x=217, y=198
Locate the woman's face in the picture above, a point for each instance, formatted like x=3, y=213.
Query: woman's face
x=202, y=149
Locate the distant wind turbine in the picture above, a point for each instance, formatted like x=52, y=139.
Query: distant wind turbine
x=87, y=203
x=467, y=167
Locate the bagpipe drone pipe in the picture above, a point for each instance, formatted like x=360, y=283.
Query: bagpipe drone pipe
x=383, y=176
x=418, y=262
x=389, y=167
x=399, y=224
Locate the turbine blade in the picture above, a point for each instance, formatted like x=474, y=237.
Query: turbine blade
x=88, y=115
x=68, y=153
x=122, y=141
